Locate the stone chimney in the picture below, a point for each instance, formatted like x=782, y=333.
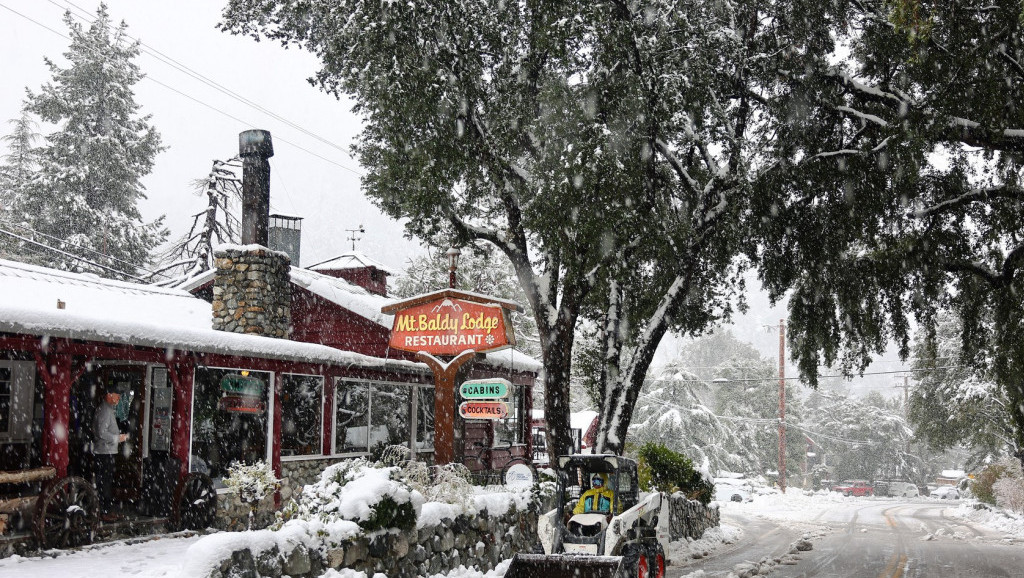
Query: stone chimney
x=252, y=291
x=251, y=285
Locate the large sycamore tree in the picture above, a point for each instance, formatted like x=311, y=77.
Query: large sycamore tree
x=902, y=191
x=610, y=149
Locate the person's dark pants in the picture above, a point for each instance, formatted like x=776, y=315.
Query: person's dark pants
x=104, y=468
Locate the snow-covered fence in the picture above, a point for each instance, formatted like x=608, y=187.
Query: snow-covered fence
x=690, y=518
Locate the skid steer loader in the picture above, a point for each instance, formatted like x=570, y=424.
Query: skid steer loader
x=606, y=532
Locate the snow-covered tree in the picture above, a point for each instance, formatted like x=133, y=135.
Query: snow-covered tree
x=607, y=148
x=724, y=384
x=863, y=438
x=670, y=411
x=953, y=404
x=18, y=167
x=900, y=190
x=192, y=255
x=83, y=197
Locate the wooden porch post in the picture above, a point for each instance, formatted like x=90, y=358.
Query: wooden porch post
x=55, y=370
x=181, y=372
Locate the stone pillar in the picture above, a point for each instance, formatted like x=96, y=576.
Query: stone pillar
x=252, y=291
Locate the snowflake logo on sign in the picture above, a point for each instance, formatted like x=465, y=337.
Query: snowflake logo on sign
x=489, y=339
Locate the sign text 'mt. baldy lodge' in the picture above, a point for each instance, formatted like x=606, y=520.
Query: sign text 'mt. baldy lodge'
x=443, y=324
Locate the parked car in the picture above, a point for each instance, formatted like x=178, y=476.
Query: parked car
x=946, y=493
x=732, y=490
x=896, y=489
x=855, y=488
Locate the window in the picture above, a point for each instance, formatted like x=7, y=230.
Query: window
x=368, y=415
x=510, y=430
x=425, y=418
x=229, y=419
x=351, y=416
x=301, y=415
x=6, y=389
x=389, y=415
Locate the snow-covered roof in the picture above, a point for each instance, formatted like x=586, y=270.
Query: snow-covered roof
x=953, y=474
x=350, y=260
x=129, y=313
x=582, y=419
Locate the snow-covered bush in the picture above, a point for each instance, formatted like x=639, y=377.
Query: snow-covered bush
x=664, y=470
x=1009, y=489
x=251, y=483
x=374, y=498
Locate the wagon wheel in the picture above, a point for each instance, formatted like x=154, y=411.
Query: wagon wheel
x=195, y=502
x=67, y=513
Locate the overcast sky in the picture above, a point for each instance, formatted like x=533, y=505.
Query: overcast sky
x=199, y=123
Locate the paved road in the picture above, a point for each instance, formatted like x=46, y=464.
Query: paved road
x=876, y=539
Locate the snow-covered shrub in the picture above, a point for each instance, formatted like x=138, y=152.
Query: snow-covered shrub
x=664, y=470
x=1009, y=488
x=251, y=483
x=374, y=498
x=449, y=483
x=982, y=485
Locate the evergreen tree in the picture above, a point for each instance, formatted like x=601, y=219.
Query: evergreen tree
x=18, y=168
x=955, y=405
x=86, y=189
x=192, y=255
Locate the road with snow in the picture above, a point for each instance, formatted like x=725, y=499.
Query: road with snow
x=854, y=537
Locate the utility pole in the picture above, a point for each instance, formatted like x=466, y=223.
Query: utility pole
x=782, y=405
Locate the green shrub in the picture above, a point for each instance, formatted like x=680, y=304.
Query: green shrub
x=664, y=470
x=387, y=513
x=982, y=485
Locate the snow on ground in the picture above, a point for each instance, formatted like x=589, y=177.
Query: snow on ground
x=708, y=543
x=160, y=557
x=997, y=519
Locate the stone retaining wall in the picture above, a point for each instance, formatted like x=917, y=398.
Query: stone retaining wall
x=481, y=540
x=690, y=518
x=233, y=515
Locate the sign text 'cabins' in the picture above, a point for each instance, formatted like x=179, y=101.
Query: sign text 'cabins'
x=495, y=388
x=448, y=326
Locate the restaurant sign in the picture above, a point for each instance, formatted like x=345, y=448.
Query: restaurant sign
x=449, y=326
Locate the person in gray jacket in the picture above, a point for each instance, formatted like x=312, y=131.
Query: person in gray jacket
x=106, y=436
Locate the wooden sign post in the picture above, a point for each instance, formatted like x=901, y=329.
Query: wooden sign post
x=455, y=325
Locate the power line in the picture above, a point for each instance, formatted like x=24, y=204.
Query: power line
x=211, y=107
x=73, y=256
x=76, y=246
x=776, y=379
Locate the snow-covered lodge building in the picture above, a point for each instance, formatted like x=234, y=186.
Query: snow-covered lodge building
x=195, y=398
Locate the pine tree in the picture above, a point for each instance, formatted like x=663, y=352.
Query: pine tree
x=84, y=196
x=18, y=168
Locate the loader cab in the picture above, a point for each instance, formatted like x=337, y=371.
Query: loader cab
x=585, y=511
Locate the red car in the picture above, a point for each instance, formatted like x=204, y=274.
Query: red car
x=855, y=488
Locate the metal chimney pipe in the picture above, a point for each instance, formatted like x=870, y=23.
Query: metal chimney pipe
x=255, y=147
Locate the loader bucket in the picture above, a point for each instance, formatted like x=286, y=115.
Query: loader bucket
x=563, y=566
